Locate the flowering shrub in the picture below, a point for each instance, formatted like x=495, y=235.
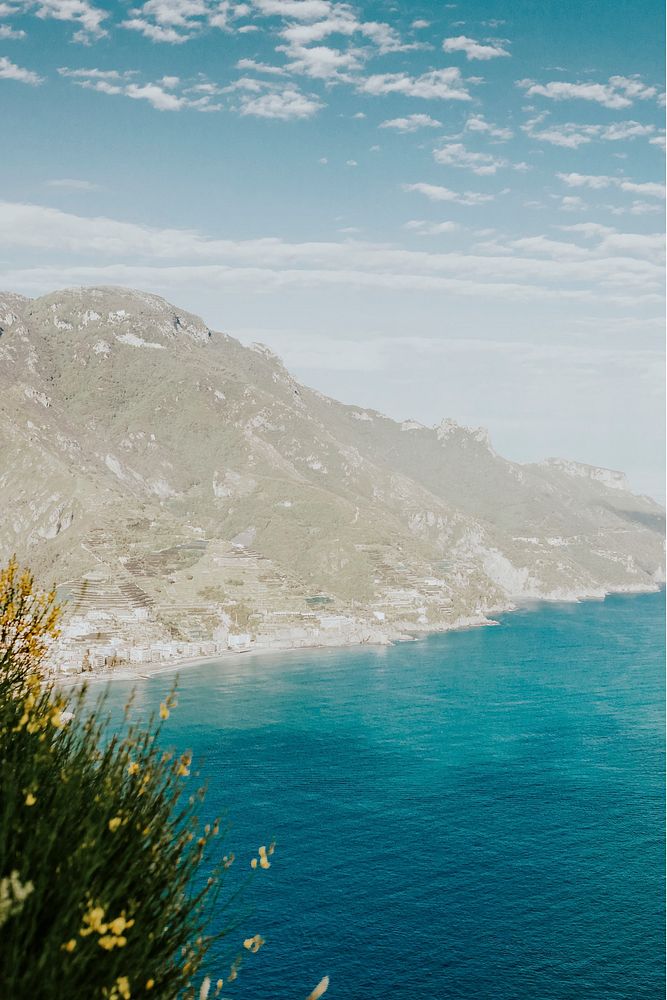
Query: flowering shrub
x=100, y=844
x=99, y=841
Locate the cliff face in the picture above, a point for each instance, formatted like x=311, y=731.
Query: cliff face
x=141, y=450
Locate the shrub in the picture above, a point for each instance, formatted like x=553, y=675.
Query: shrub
x=103, y=861
x=99, y=841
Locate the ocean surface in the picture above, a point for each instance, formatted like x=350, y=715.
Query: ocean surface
x=475, y=815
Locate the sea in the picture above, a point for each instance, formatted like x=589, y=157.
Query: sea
x=475, y=815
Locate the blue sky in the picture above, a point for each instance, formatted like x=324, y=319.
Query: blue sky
x=433, y=209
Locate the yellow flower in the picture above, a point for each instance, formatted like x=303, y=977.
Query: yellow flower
x=183, y=768
x=150, y=983
x=111, y=941
x=69, y=945
x=132, y=767
x=120, y=924
x=30, y=799
x=253, y=944
x=253, y=863
x=319, y=990
x=114, y=823
x=94, y=921
x=123, y=984
x=263, y=860
x=164, y=711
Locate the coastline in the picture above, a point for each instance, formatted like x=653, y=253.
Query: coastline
x=146, y=671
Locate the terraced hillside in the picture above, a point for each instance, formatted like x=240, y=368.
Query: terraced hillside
x=193, y=477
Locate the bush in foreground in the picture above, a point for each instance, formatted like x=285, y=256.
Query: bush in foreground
x=99, y=841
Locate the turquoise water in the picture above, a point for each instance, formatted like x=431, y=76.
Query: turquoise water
x=476, y=815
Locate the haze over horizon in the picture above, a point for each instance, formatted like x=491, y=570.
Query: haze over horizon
x=433, y=210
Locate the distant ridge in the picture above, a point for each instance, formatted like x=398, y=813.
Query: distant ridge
x=137, y=443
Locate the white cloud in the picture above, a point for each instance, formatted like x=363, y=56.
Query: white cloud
x=411, y=123
x=618, y=92
x=473, y=49
x=6, y=32
x=434, y=192
x=10, y=71
x=600, y=181
x=648, y=189
x=571, y=135
x=155, y=32
x=160, y=95
x=650, y=246
x=119, y=252
x=177, y=21
x=589, y=230
x=572, y=203
x=440, y=84
x=543, y=246
x=259, y=67
x=636, y=208
x=89, y=19
x=456, y=155
x=386, y=38
x=307, y=25
x=301, y=10
x=73, y=184
x=608, y=244
x=322, y=62
x=594, y=181
x=286, y=104
x=96, y=74
x=478, y=123
x=423, y=228
x=626, y=130
x=315, y=22
x=340, y=21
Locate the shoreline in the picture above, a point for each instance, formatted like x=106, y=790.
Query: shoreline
x=147, y=671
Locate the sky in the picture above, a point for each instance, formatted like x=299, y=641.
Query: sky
x=436, y=210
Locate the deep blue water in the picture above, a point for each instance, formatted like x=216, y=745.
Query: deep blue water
x=475, y=815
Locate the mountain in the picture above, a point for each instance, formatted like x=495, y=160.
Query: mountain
x=181, y=487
